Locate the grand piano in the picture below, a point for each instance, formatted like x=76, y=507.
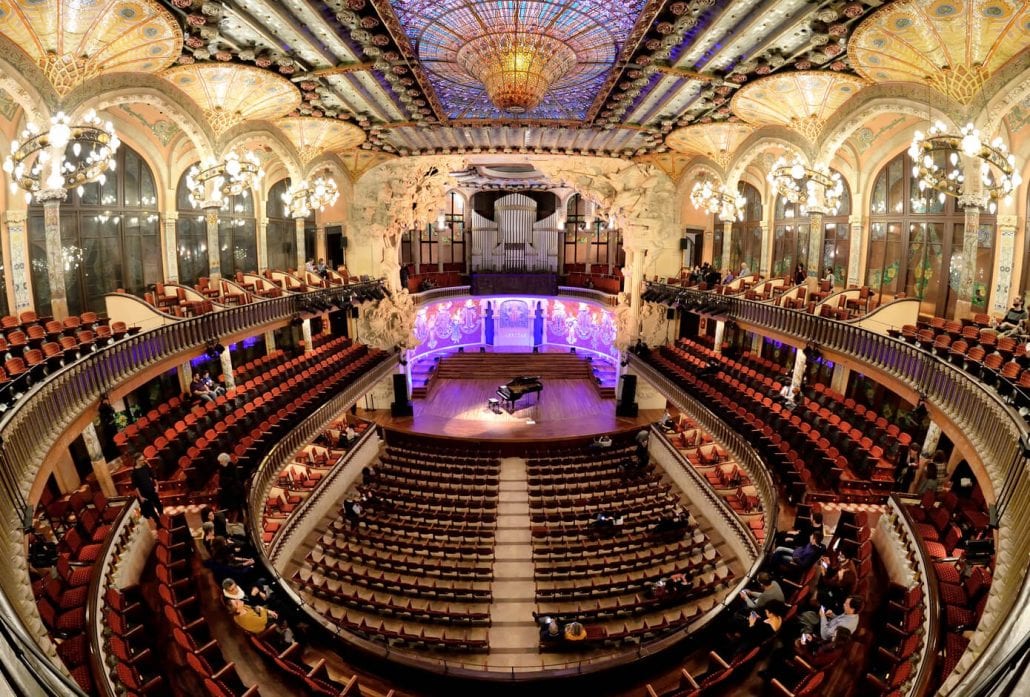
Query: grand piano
x=517, y=387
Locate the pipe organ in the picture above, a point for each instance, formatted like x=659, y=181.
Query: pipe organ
x=515, y=240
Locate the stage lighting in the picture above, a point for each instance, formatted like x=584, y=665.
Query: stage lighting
x=296, y=321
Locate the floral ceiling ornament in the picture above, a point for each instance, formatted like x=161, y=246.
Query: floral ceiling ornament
x=314, y=137
x=73, y=42
x=229, y=93
x=952, y=46
x=717, y=141
x=801, y=100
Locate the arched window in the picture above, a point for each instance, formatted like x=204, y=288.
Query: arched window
x=281, y=233
x=582, y=245
x=237, y=234
x=452, y=237
x=190, y=236
x=916, y=242
x=109, y=235
x=747, y=233
x=791, y=229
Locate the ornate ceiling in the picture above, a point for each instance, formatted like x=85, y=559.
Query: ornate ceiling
x=631, y=78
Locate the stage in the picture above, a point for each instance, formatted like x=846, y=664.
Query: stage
x=564, y=409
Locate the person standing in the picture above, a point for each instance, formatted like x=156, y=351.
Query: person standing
x=143, y=482
x=800, y=275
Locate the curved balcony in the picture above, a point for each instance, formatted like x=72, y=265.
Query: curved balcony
x=970, y=412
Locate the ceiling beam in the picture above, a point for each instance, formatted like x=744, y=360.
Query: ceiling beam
x=687, y=74
x=342, y=69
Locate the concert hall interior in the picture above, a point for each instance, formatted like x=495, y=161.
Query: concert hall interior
x=405, y=348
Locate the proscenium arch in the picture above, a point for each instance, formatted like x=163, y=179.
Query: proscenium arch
x=115, y=90
x=766, y=139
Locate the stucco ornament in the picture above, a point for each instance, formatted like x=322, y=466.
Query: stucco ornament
x=639, y=197
x=653, y=324
x=624, y=334
x=397, y=196
x=389, y=323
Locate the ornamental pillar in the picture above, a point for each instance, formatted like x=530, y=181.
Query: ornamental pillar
x=226, y=359
x=270, y=341
x=933, y=438
x=763, y=262
x=214, y=247
x=855, y=255
x=815, y=243
x=262, y=242
x=636, y=261
x=54, y=250
x=720, y=331
x=305, y=328
x=299, y=232
x=800, y=363
x=96, y=457
x=17, y=235
x=1006, y=237
x=727, y=246
x=171, y=248
x=967, y=273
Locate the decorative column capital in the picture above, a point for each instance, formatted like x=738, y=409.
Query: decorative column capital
x=1007, y=221
x=49, y=195
x=973, y=200
x=16, y=217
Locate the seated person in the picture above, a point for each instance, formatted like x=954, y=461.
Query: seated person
x=771, y=590
x=837, y=580
x=574, y=631
x=677, y=522
x=550, y=630
x=603, y=441
x=821, y=626
x=762, y=625
x=212, y=386
x=251, y=619
x=667, y=424
x=199, y=390
x=1013, y=319
x=804, y=556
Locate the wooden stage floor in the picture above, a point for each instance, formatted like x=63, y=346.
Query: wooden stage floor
x=565, y=409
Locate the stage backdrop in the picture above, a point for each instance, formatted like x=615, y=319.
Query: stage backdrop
x=524, y=321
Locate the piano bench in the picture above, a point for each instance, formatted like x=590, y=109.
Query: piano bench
x=494, y=404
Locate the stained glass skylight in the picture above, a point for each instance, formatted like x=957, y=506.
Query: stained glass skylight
x=595, y=30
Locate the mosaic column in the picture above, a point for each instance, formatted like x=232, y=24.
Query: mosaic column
x=306, y=331
x=96, y=456
x=17, y=234
x=967, y=274
x=171, y=262
x=214, y=248
x=226, y=360
x=54, y=250
x=933, y=438
x=720, y=331
x=1006, y=237
x=262, y=243
x=763, y=263
x=800, y=363
x=815, y=243
x=727, y=246
x=839, y=379
x=269, y=342
x=299, y=229
x=185, y=373
x=855, y=255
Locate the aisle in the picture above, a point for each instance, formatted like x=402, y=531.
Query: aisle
x=514, y=636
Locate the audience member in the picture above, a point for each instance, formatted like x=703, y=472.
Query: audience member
x=231, y=493
x=251, y=619
x=1010, y=323
x=803, y=557
x=829, y=277
x=550, y=630
x=837, y=581
x=826, y=622
x=932, y=473
x=762, y=625
x=199, y=390
x=745, y=270
x=602, y=441
x=771, y=590
x=800, y=275
x=143, y=482
x=908, y=467
x=353, y=510
x=212, y=386
x=321, y=269
x=574, y=631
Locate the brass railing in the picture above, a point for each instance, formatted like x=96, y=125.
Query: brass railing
x=976, y=411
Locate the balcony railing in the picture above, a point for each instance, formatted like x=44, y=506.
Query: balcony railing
x=975, y=412
x=30, y=428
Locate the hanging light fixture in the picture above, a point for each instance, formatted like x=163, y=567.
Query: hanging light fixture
x=996, y=165
x=717, y=200
x=302, y=198
x=62, y=157
x=214, y=181
x=799, y=183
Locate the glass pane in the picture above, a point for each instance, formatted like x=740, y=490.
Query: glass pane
x=896, y=185
x=924, y=261
x=38, y=264
x=984, y=267
x=130, y=179
x=878, y=202
x=245, y=247
x=191, y=236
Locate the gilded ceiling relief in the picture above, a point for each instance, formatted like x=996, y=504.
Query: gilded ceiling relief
x=163, y=129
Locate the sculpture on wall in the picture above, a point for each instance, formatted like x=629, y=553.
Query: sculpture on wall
x=639, y=196
x=389, y=323
x=398, y=196
x=651, y=326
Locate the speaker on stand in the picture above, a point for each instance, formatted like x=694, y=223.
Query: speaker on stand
x=627, y=405
x=401, y=404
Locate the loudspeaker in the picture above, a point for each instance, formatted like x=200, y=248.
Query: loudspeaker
x=401, y=406
x=686, y=243
x=627, y=406
x=338, y=323
x=670, y=314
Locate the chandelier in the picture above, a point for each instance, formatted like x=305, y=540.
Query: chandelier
x=41, y=162
x=717, y=200
x=516, y=66
x=798, y=183
x=998, y=174
x=218, y=180
x=302, y=198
